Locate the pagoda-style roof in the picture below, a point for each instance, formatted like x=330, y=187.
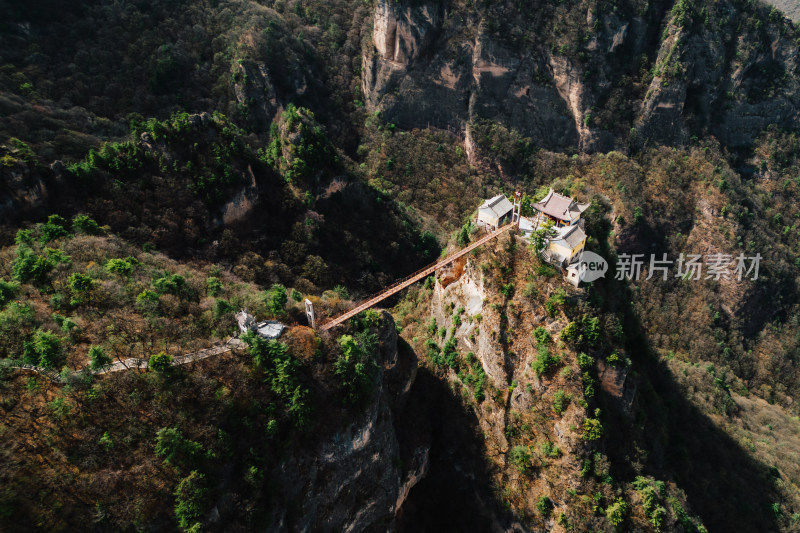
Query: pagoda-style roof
x=560, y=207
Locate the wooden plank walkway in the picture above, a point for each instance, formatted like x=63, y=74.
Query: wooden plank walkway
x=133, y=362
x=410, y=280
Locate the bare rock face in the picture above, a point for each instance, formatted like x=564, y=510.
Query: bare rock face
x=254, y=90
x=25, y=189
x=614, y=381
x=429, y=65
x=241, y=206
x=401, y=34
x=356, y=479
x=486, y=78
x=467, y=291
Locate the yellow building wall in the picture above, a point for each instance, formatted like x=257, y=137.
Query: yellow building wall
x=563, y=251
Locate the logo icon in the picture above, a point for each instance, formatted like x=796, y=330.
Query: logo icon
x=591, y=267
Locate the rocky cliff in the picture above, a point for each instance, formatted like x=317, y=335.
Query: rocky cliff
x=356, y=478
x=585, y=76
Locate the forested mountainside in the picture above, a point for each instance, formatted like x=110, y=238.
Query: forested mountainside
x=167, y=164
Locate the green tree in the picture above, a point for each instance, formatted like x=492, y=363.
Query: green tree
x=84, y=224
x=541, y=235
x=556, y=301
x=520, y=456
x=544, y=505
x=54, y=228
x=355, y=367
x=121, y=267
x=464, y=234
x=592, y=429
x=28, y=266
x=616, y=512
x=8, y=290
x=160, y=362
x=174, y=284
x=24, y=236
x=213, y=286
x=98, y=358
x=106, y=442
x=544, y=360
x=177, y=450
x=276, y=299
x=542, y=336
x=147, y=302
x=190, y=496
x=80, y=285
x=560, y=401
x=49, y=349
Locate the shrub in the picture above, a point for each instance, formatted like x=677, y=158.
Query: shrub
x=520, y=456
x=431, y=327
x=542, y=336
x=592, y=429
x=296, y=295
x=530, y=291
x=638, y=215
x=449, y=353
x=550, y=450
x=546, y=270
x=544, y=505
x=60, y=408
x=221, y=308
x=588, y=385
x=585, y=331
x=560, y=401
x=8, y=290
x=556, y=302
x=616, y=512
x=544, y=361
x=507, y=289
x=341, y=292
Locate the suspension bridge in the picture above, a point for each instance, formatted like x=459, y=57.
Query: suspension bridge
x=401, y=284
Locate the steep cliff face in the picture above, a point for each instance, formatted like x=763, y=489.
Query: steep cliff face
x=356, y=478
x=527, y=418
x=585, y=77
